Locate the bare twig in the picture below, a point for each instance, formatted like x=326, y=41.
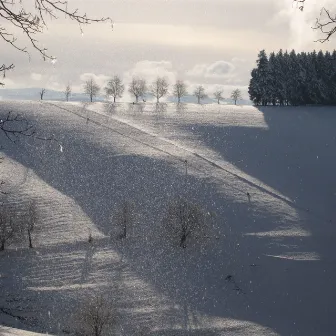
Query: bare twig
x=13, y=126
x=4, y=68
x=300, y=4
x=325, y=23
x=34, y=22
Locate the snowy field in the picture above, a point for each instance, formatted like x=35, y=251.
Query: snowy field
x=268, y=265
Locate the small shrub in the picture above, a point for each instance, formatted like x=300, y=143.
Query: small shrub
x=186, y=221
x=95, y=317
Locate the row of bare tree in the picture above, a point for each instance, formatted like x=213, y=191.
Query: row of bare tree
x=183, y=222
x=138, y=88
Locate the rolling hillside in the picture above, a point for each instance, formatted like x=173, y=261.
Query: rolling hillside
x=266, y=266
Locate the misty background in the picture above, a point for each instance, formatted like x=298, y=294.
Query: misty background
x=214, y=43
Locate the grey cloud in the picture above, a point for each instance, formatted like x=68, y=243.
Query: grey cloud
x=185, y=33
x=215, y=70
x=220, y=69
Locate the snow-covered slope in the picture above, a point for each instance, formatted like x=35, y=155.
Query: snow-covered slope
x=267, y=268
x=6, y=331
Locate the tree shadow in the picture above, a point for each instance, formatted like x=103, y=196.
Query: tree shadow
x=136, y=108
x=181, y=108
x=97, y=169
x=290, y=155
x=294, y=155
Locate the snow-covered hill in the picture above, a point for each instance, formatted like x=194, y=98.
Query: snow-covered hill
x=267, y=268
x=34, y=94
x=6, y=331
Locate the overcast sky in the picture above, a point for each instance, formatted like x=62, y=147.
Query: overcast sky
x=211, y=42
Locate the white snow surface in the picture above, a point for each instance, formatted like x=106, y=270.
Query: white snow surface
x=7, y=331
x=278, y=247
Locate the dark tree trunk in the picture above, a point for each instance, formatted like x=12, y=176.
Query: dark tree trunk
x=2, y=247
x=114, y=99
x=183, y=241
x=30, y=239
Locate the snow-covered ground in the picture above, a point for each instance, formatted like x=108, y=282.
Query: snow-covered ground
x=278, y=248
x=7, y=331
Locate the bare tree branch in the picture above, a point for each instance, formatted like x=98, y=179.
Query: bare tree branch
x=33, y=22
x=325, y=23
x=13, y=127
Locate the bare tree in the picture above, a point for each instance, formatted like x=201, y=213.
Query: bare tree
x=159, y=88
x=180, y=90
x=185, y=220
x=326, y=22
x=95, y=317
x=7, y=226
x=199, y=93
x=67, y=92
x=138, y=88
x=30, y=221
x=218, y=95
x=115, y=88
x=123, y=219
x=236, y=95
x=19, y=17
x=42, y=92
x=91, y=88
